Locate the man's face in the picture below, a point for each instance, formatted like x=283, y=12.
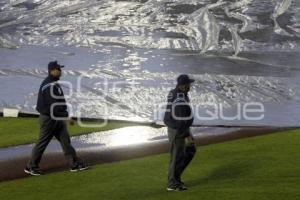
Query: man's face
x=188, y=87
x=55, y=73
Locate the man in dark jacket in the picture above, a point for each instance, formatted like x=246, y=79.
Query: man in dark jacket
x=178, y=118
x=51, y=105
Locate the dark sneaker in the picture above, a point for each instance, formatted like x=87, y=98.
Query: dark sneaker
x=180, y=188
x=33, y=171
x=183, y=185
x=79, y=167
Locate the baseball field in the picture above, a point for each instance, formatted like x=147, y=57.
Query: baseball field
x=264, y=167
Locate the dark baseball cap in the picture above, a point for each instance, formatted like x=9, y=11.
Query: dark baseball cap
x=54, y=65
x=184, y=79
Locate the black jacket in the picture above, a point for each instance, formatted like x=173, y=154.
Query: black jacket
x=178, y=107
x=46, y=99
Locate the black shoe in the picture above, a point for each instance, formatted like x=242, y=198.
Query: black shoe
x=33, y=171
x=79, y=167
x=182, y=185
x=179, y=188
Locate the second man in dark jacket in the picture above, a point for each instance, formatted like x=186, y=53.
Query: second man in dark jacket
x=178, y=118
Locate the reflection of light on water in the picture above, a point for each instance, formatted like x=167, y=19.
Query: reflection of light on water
x=129, y=136
x=123, y=136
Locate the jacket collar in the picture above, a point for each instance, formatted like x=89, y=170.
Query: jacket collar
x=52, y=79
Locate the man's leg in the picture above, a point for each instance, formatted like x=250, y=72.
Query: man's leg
x=63, y=137
x=177, y=156
x=46, y=128
x=189, y=153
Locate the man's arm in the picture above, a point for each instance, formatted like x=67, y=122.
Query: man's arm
x=50, y=96
x=168, y=119
x=182, y=117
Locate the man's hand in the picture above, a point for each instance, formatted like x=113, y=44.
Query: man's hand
x=189, y=141
x=71, y=121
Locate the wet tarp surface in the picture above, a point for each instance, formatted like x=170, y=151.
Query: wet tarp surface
x=122, y=57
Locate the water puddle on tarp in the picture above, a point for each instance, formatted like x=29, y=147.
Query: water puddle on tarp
x=112, y=139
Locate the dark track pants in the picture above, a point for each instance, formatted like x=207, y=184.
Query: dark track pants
x=181, y=156
x=48, y=129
